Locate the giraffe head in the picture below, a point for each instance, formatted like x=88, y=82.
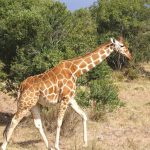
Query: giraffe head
x=120, y=47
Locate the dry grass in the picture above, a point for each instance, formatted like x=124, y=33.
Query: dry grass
x=70, y=121
x=127, y=128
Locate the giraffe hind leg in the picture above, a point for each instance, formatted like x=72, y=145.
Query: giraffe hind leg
x=38, y=123
x=61, y=113
x=11, y=126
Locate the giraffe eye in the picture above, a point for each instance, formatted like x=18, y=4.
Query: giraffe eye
x=122, y=45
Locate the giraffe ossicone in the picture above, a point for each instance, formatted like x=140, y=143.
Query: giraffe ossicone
x=58, y=85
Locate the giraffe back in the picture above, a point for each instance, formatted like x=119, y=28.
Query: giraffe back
x=50, y=86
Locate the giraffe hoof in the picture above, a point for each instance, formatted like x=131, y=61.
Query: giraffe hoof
x=57, y=148
x=85, y=145
x=3, y=148
x=51, y=149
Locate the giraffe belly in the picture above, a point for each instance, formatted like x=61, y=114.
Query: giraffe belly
x=45, y=101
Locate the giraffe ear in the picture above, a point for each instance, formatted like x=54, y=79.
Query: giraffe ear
x=112, y=40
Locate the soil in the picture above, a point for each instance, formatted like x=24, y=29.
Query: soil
x=126, y=128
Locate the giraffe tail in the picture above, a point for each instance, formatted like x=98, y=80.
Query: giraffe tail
x=18, y=95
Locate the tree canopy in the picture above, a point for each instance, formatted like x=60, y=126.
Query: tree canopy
x=36, y=34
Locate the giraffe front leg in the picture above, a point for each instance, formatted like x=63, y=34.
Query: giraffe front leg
x=75, y=106
x=62, y=110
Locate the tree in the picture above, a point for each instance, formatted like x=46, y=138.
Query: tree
x=115, y=17
x=31, y=25
x=37, y=34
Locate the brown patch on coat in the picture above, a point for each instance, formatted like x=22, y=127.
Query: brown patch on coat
x=68, y=65
x=73, y=68
x=102, y=52
x=56, y=70
x=88, y=60
x=51, y=96
x=77, y=61
x=90, y=66
x=66, y=90
x=95, y=56
x=66, y=73
x=51, y=90
x=82, y=65
x=78, y=73
x=60, y=83
x=103, y=57
x=70, y=84
x=96, y=62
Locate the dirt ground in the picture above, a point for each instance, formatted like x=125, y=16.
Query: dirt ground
x=127, y=128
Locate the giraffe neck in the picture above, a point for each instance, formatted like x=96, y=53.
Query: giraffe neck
x=89, y=61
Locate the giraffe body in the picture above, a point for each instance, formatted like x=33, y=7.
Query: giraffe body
x=58, y=85
x=49, y=87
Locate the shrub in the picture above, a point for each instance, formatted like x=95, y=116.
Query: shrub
x=3, y=75
x=105, y=97
x=83, y=96
x=30, y=62
x=131, y=73
x=141, y=47
x=103, y=92
x=102, y=89
x=102, y=71
x=97, y=86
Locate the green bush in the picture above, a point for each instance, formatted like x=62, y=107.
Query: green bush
x=129, y=18
x=83, y=96
x=131, y=73
x=103, y=92
x=30, y=24
x=102, y=71
x=37, y=35
x=98, y=87
x=3, y=75
x=141, y=47
x=102, y=89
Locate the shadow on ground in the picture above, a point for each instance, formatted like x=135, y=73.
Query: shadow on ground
x=5, y=118
x=24, y=144
x=29, y=142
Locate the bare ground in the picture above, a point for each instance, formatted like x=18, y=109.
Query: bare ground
x=127, y=128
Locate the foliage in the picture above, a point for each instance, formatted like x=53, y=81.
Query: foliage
x=131, y=73
x=102, y=71
x=83, y=96
x=36, y=35
x=3, y=75
x=102, y=89
x=141, y=44
x=29, y=62
x=120, y=16
x=37, y=25
x=83, y=35
x=103, y=92
x=127, y=18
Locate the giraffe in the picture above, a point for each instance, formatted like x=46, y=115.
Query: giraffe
x=58, y=85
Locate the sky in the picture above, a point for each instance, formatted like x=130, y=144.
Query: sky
x=77, y=4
